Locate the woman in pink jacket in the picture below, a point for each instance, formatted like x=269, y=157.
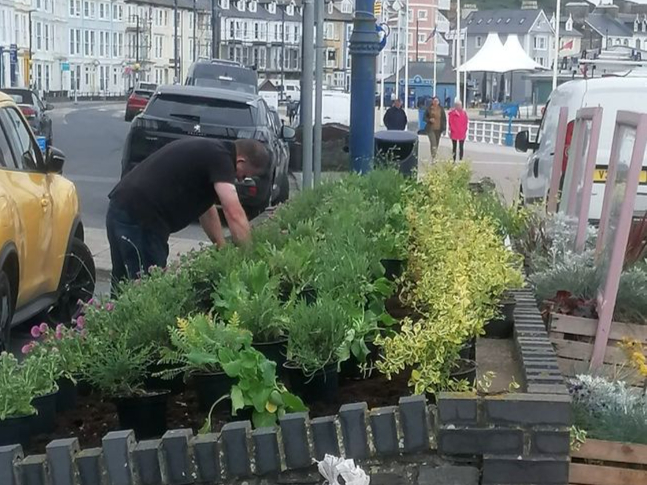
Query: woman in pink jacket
x=458, y=122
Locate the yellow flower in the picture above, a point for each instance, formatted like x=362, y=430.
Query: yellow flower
x=270, y=407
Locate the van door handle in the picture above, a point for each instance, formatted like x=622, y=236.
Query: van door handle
x=535, y=167
x=44, y=202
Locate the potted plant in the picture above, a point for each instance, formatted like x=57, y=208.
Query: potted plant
x=16, y=409
x=293, y=263
x=66, y=343
x=256, y=388
x=317, y=336
x=502, y=324
x=196, y=345
x=251, y=293
x=43, y=368
x=118, y=370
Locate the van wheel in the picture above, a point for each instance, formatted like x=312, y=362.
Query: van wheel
x=6, y=311
x=77, y=284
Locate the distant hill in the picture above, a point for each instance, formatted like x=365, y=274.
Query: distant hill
x=547, y=5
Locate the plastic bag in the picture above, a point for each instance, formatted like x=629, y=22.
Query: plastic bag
x=331, y=468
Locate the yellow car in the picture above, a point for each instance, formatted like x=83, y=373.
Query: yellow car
x=45, y=267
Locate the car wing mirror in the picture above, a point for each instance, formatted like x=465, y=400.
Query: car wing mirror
x=54, y=160
x=288, y=133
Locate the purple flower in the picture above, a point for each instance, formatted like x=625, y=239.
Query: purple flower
x=110, y=306
x=80, y=322
x=26, y=349
x=59, y=331
x=43, y=327
x=35, y=331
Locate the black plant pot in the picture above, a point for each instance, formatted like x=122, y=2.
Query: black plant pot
x=393, y=268
x=274, y=351
x=145, y=415
x=499, y=328
x=16, y=431
x=465, y=370
x=84, y=388
x=175, y=385
x=67, y=395
x=507, y=307
x=45, y=419
x=468, y=351
x=211, y=387
x=351, y=369
x=244, y=414
x=307, y=293
x=322, y=386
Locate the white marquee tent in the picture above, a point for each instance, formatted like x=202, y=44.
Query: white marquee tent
x=499, y=58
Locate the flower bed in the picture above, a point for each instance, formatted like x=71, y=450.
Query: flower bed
x=305, y=301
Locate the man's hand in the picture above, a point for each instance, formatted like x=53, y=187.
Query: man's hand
x=234, y=212
x=210, y=222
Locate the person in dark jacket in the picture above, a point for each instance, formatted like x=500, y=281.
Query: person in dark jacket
x=436, y=120
x=395, y=117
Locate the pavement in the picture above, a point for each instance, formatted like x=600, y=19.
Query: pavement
x=92, y=135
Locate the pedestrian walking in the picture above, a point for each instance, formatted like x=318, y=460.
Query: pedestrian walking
x=395, y=117
x=175, y=186
x=458, y=123
x=436, y=120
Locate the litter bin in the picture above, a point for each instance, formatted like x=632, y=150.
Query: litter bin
x=398, y=149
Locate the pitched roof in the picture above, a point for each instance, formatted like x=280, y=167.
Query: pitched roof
x=606, y=25
x=502, y=21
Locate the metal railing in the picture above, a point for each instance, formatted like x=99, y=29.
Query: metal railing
x=494, y=133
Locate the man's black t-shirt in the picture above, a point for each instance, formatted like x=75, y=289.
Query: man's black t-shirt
x=175, y=185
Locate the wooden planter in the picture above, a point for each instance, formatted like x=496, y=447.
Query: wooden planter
x=609, y=463
x=573, y=338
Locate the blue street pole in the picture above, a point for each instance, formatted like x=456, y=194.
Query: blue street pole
x=364, y=48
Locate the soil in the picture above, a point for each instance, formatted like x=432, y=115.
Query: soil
x=94, y=417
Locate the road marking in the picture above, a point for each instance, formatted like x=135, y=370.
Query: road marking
x=93, y=179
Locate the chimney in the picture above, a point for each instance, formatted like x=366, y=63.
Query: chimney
x=578, y=10
x=610, y=10
x=529, y=5
x=467, y=9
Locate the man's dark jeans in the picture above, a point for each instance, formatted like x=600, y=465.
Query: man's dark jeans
x=133, y=248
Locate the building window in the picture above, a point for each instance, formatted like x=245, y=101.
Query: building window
x=329, y=31
x=331, y=58
x=48, y=31
x=541, y=60
x=346, y=7
x=422, y=38
x=39, y=35
x=479, y=41
x=540, y=43
x=159, y=46
x=224, y=4
x=422, y=14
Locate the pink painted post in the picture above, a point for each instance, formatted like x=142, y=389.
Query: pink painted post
x=618, y=192
x=584, y=198
x=558, y=160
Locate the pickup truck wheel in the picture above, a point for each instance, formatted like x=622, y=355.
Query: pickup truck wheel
x=6, y=311
x=77, y=284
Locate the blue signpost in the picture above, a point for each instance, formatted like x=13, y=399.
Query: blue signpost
x=13, y=64
x=364, y=47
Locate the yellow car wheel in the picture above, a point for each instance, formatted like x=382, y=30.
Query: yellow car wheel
x=6, y=311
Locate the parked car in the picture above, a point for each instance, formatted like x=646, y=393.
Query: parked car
x=176, y=112
x=45, y=267
x=138, y=99
x=34, y=109
x=222, y=74
x=335, y=109
x=612, y=94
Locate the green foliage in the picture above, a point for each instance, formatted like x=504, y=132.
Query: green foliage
x=198, y=344
x=17, y=388
x=509, y=219
x=252, y=293
x=318, y=333
x=42, y=368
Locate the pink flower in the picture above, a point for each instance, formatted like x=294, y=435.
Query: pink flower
x=35, y=331
x=80, y=322
x=43, y=327
x=110, y=306
x=26, y=349
x=59, y=331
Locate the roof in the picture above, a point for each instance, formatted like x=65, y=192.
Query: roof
x=606, y=25
x=445, y=73
x=205, y=5
x=215, y=93
x=502, y=21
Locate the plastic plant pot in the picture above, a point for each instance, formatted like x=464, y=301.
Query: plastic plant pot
x=274, y=351
x=393, y=268
x=175, y=385
x=468, y=351
x=145, y=415
x=211, y=387
x=464, y=370
x=322, y=386
x=16, y=430
x=45, y=419
x=67, y=395
x=351, y=369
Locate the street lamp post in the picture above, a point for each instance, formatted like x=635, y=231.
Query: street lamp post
x=214, y=37
x=195, y=19
x=175, y=43
x=458, y=48
x=30, y=52
x=364, y=47
x=558, y=14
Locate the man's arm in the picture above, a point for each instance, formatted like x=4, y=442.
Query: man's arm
x=234, y=212
x=210, y=222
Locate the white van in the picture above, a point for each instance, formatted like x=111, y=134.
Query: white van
x=612, y=94
x=292, y=91
x=335, y=108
